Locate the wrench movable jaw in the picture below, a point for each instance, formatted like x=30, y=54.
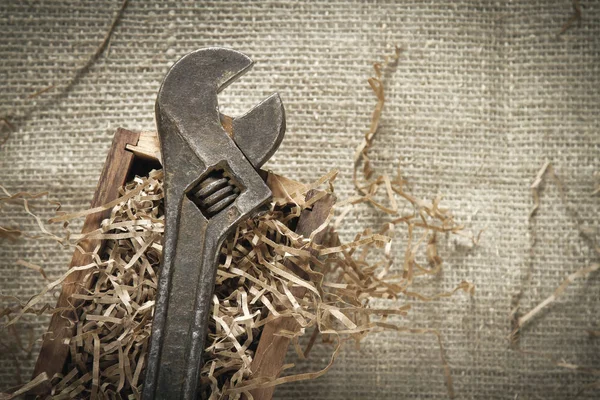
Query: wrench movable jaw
x=211, y=185
x=211, y=69
x=260, y=131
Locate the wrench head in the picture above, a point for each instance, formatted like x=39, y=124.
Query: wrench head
x=189, y=92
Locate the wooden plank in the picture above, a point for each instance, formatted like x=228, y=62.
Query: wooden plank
x=54, y=351
x=147, y=146
x=272, y=348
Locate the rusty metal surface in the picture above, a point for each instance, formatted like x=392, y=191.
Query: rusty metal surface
x=211, y=184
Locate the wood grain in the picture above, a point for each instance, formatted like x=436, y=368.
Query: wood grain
x=271, y=351
x=54, y=351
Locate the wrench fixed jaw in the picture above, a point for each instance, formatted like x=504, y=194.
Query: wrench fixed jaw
x=258, y=133
x=211, y=185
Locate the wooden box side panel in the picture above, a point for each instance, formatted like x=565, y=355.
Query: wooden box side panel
x=54, y=351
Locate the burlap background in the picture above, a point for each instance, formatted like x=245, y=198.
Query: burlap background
x=484, y=94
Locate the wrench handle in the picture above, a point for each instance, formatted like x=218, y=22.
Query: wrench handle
x=191, y=278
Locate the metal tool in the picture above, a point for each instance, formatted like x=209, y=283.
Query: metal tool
x=211, y=185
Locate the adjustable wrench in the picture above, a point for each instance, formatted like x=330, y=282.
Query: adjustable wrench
x=211, y=185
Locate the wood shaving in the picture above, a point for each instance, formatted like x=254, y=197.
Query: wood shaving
x=5, y=135
x=593, y=333
x=23, y=199
x=575, y=17
x=518, y=320
x=253, y=287
x=581, y=273
x=62, y=88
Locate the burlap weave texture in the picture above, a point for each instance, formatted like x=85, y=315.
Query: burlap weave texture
x=485, y=92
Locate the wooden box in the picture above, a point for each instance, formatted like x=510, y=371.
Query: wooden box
x=137, y=153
